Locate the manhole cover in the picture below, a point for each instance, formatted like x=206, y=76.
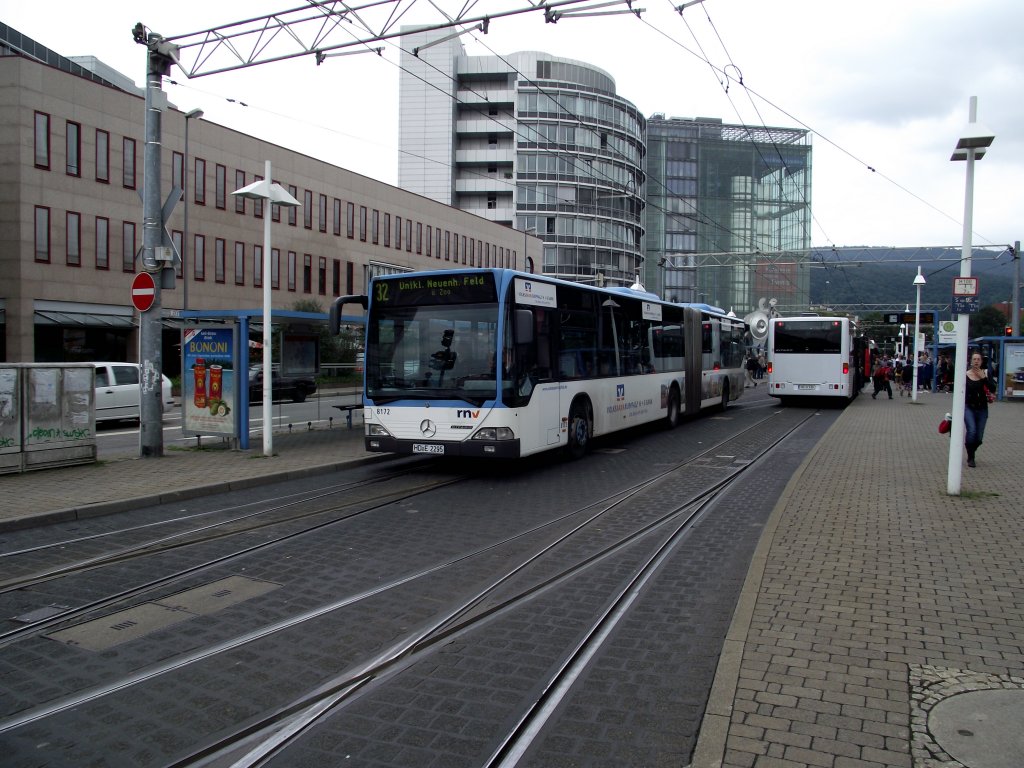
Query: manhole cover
x=981, y=729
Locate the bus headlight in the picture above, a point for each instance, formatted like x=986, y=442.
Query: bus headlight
x=376, y=430
x=494, y=433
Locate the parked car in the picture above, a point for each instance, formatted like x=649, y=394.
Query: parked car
x=295, y=388
x=117, y=392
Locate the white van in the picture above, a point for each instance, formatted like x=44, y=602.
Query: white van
x=117, y=392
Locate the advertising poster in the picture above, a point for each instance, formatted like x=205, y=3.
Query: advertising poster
x=1013, y=378
x=208, y=382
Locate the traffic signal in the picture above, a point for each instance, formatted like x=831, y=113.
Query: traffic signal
x=1008, y=330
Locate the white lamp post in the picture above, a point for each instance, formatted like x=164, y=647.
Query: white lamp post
x=195, y=114
x=272, y=194
x=970, y=147
x=918, y=282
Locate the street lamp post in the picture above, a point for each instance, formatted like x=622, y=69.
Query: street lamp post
x=918, y=282
x=970, y=146
x=195, y=114
x=272, y=194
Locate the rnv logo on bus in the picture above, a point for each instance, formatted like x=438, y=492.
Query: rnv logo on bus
x=463, y=413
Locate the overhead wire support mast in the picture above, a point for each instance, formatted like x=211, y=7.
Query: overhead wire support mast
x=316, y=29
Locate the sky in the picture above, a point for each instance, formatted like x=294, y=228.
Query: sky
x=884, y=86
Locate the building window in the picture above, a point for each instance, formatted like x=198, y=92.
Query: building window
x=375, y=226
x=128, y=169
x=220, y=182
x=73, y=161
x=437, y=243
x=447, y=245
x=408, y=235
x=257, y=205
x=275, y=268
x=350, y=220
x=199, y=257
x=337, y=217
x=239, y=183
x=102, y=156
x=127, y=246
x=178, y=172
x=336, y=277
x=492, y=201
x=463, y=249
x=387, y=230
x=430, y=240
x=322, y=211
x=292, y=213
x=455, y=248
x=419, y=237
x=42, y=246
x=472, y=252
x=291, y=270
x=239, y=263
x=350, y=277
x=102, y=243
x=398, y=233
x=42, y=140
x=307, y=209
x=322, y=276
x=73, y=248
x=200, y=182
x=275, y=211
x=307, y=273
x=219, y=257
x=257, y=266
x=362, y=223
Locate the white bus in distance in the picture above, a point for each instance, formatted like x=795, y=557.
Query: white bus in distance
x=814, y=357
x=504, y=364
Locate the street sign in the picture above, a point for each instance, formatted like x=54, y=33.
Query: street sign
x=965, y=305
x=965, y=286
x=143, y=291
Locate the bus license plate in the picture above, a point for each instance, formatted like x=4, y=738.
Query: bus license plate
x=806, y=386
x=427, y=448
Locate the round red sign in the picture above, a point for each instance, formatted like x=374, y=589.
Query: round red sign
x=143, y=291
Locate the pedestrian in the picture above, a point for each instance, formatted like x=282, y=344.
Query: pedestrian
x=751, y=368
x=981, y=389
x=880, y=378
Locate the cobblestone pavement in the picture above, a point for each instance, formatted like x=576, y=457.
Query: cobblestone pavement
x=873, y=595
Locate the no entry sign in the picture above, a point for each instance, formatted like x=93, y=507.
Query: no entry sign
x=143, y=291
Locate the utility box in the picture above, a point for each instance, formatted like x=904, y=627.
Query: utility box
x=47, y=415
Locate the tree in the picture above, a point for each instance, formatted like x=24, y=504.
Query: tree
x=989, y=321
x=333, y=349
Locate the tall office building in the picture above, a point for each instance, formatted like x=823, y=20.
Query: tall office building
x=728, y=213
x=536, y=142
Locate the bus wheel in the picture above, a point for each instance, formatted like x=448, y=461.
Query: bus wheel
x=579, y=431
x=725, y=397
x=672, y=416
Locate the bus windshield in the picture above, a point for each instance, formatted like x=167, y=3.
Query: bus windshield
x=432, y=351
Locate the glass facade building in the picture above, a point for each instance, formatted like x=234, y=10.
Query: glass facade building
x=728, y=212
x=539, y=143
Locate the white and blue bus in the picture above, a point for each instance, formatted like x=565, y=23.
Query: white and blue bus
x=499, y=363
x=814, y=357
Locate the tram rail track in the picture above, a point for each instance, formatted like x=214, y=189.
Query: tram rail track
x=304, y=712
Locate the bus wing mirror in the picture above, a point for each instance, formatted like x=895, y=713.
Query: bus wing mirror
x=334, y=319
x=524, y=326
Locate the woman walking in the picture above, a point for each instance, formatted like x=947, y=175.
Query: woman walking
x=980, y=389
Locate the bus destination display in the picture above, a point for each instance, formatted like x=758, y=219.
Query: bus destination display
x=427, y=290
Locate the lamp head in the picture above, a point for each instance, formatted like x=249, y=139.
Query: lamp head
x=975, y=136
x=195, y=114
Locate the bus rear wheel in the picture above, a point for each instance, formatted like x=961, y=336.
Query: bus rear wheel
x=672, y=415
x=579, y=431
x=725, y=397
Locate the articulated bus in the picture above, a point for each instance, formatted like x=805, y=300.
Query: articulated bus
x=817, y=357
x=499, y=363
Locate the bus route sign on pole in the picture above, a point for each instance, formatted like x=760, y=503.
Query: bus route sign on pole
x=965, y=295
